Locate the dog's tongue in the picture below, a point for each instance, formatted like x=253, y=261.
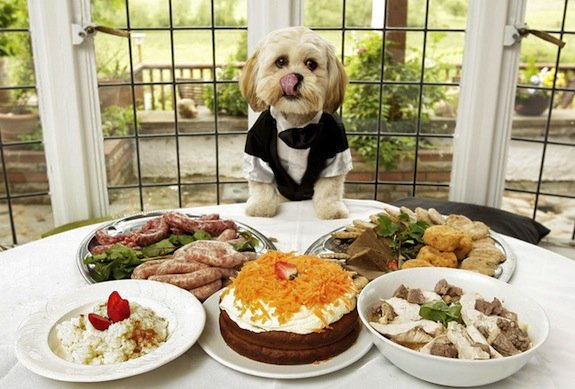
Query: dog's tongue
x=288, y=84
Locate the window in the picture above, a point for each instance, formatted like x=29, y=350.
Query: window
x=170, y=127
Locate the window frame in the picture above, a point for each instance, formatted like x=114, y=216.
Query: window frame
x=78, y=180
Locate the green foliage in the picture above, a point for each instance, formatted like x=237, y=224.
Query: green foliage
x=10, y=15
x=230, y=99
x=117, y=121
x=399, y=102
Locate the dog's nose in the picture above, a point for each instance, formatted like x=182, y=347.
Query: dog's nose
x=289, y=83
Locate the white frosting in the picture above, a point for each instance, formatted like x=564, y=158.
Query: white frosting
x=302, y=322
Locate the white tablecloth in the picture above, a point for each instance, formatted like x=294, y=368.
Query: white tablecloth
x=36, y=272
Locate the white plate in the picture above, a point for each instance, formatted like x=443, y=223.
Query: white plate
x=37, y=345
x=215, y=346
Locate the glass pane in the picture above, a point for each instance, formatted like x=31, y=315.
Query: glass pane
x=439, y=109
x=363, y=152
x=558, y=176
x=544, y=15
x=199, y=195
x=26, y=169
x=358, y=13
x=450, y=14
x=230, y=12
x=443, y=56
x=186, y=13
x=234, y=193
x=32, y=217
x=359, y=191
x=400, y=108
x=198, y=158
x=158, y=160
x=323, y=13
x=120, y=161
x=145, y=13
x=389, y=192
x=396, y=158
x=523, y=165
x=557, y=214
x=109, y=13
x=187, y=53
x=162, y=197
x=125, y=201
x=360, y=108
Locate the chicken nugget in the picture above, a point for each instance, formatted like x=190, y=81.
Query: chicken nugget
x=415, y=263
x=493, y=254
x=437, y=258
x=484, y=242
x=457, y=221
x=479, y=265
x=443, y=238
x=465, y=246
x=435, y=216
x=477, y=230
x=422, y=215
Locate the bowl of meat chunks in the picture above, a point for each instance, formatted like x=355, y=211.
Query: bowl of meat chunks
x=452, y=327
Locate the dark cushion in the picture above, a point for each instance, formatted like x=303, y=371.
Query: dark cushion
x=498, y=220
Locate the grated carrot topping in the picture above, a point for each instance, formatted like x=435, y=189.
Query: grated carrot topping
x=317, y=284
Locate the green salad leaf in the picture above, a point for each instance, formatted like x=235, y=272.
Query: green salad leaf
x=405, y=236
x=440, y=312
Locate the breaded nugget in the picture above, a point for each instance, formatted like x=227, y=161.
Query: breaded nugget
x=443, y=238
x=455, y=221
x=422, y=215
x=465, y=246
x=477, y=230
x=415, y=263
x=479, y=265
x=484, y=242
x=437, y=258
x=493, y=254
x=409, y=213
x=435, y=216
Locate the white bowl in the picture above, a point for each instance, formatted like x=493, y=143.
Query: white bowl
x=449, y=371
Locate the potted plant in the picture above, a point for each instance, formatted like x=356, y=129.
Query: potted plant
x=534, y=99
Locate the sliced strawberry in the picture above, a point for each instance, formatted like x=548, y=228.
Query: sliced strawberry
x=285, y=271
x=119, y=311
x=99, y=322
x=113, y=299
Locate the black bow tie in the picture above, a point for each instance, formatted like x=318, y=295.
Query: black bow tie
x=301, y=138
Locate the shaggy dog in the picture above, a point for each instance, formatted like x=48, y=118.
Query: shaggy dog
x=297, y=149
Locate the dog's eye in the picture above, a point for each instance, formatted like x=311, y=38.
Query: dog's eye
x=281, y=62
x=311, y=64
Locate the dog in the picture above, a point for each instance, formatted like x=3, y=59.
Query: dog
x=297, y=149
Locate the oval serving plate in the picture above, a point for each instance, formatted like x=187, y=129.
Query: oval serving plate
x=133, y=222
x=503, y=272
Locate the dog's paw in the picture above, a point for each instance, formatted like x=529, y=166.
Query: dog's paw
x=331, y=210
x=261, y=208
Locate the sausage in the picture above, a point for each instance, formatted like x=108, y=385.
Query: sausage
x=147, y=269
x=185, y=223
x=190, y=280
x=153, y=231
x=205, y=291
x=176, y=266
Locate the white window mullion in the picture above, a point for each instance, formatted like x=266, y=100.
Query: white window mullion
x=68, y=100
x=485, y=114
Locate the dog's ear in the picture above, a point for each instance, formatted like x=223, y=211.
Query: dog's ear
x=248, y=83
x=337, y=83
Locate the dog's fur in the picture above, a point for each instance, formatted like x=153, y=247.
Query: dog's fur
x=320, y=89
